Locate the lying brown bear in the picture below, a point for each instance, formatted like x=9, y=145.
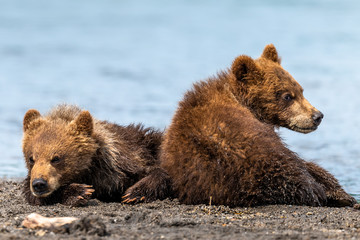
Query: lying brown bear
x=221, y=144
x=71, y=156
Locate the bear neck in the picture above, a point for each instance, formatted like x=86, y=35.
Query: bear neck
x=106, y=173
x=222, y=89
x=215, y=90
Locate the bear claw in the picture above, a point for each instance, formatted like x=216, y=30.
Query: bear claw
x=132, y=200
x=125, y=196
x=89, y=191
x=78, y=194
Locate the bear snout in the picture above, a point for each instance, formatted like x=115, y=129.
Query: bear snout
x=317, y=118
x=40, y=186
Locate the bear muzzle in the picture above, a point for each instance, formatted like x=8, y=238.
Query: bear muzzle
x=305, y=118
x=306, y=124
x=40, y=187
x=317, y=118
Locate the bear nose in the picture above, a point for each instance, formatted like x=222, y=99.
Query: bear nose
x=317, y=117
x=39, y=185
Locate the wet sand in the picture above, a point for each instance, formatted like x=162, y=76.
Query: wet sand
x=170, y=220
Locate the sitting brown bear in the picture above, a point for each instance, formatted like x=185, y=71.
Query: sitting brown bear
x=221, y=144
x=71, y=156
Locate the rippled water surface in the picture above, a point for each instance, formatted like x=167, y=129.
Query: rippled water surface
x=131, y=61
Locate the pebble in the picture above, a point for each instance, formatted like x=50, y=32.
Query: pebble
x=40, y=233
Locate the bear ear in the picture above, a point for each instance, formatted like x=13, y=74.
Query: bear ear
x=83, y=124
x=29, y=117
x=243, y=67
x=270, y=53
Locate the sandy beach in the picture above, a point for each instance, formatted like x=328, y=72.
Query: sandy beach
x=171, y=220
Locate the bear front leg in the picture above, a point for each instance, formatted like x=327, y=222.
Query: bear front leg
x=76, y=194
x=336, y=196
x=73, y=195
x=156, y=185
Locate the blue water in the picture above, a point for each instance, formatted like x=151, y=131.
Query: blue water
x=131, y=61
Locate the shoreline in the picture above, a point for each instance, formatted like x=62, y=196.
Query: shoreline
x=169, y=219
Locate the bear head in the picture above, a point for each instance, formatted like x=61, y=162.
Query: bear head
x=56, y=151
x=271, y=93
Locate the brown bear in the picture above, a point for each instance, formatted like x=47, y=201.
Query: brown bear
x=221, y=144
x=71, y=156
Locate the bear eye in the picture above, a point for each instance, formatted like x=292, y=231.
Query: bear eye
x=55, y=159
x=288, y=97
x=31, y=160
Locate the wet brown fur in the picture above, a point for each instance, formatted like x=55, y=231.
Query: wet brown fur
x=221, y=144
x=94, y=155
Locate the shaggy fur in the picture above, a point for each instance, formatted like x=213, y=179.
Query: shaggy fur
x=78, y=156
x=221, y=144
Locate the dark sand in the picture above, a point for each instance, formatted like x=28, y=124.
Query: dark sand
x=171, y=220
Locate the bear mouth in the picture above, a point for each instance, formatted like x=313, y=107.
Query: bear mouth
x=303, y=130
x=41, y=194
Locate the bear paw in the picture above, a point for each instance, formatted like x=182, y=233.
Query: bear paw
x=157, y=185
x=340, y=199
x=133, y=196
x=77, y=195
